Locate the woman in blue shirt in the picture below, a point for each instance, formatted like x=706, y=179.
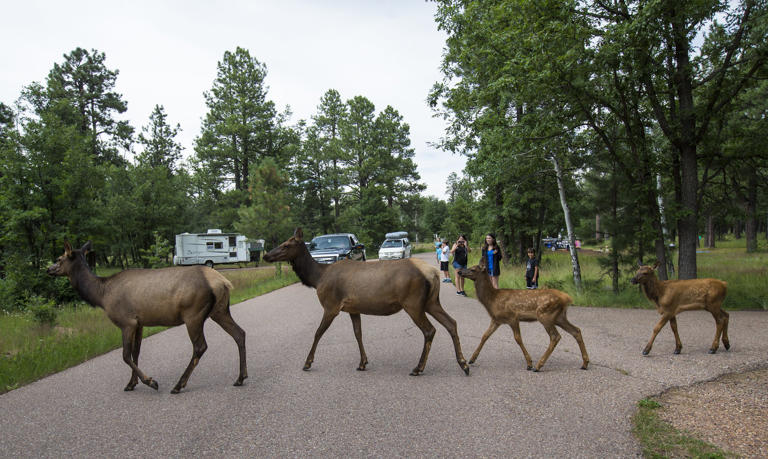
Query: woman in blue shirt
x=491, y=258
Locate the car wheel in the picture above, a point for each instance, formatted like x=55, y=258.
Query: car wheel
x=209, y=264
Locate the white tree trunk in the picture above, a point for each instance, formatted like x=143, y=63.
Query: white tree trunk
x=568, y=224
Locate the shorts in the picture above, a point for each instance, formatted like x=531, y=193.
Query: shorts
x=457, y=265
x=443, y=266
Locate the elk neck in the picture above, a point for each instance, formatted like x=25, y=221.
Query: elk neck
x=89, y=286
x=307, y=269
x=486, y=292
x=653, y=288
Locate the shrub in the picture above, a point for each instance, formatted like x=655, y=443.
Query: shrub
x=43, y=310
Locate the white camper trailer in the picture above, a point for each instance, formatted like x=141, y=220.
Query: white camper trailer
x=213, y=247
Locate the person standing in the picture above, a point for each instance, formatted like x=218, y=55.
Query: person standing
x=532, y=270
x=460, y=251
x=491, y=258
x=444, y=258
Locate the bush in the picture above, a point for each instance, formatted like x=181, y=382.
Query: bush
x=43, y=311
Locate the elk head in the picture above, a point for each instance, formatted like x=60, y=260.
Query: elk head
x=65, y=263
x=473, y=272
x=643, y=273
x=288, y=250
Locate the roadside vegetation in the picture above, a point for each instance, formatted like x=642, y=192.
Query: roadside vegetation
x=47, y=338
x=661, y=440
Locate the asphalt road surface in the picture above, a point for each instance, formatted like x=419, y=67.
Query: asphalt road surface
x=333, y=410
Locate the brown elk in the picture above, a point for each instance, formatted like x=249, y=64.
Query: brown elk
x=672, y=297
x=510, y=306
x=137, y=298
x=381, y=289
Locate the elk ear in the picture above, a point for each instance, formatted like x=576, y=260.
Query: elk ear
x=67, y=249
x=655, y=265
x=298, y=234
x=86, y=248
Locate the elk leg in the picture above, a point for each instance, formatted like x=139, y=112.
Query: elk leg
x=199, y=347
x=491, y=329
x=726, y=342
x=656, y=330
x=138, y=335
x=129, y=332
x=357, y=327
x=324, y=324
x=678, y=343
x=421, y=321
x=719, y=326
x=225, y=320
x=554, y=338
x=437, y=311
x=574, y=331
x=519, y=339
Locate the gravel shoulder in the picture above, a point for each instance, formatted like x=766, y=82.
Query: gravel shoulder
x=729, y=412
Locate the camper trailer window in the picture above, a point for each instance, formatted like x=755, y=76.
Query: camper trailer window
x=214, y=245
x=232, y=241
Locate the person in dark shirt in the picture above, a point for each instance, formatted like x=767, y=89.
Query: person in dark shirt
x=460, y=250
x=532, y=270
x=491, y=257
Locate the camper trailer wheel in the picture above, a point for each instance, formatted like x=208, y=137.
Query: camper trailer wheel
x=209, y=264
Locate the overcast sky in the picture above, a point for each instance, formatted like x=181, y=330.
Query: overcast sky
x=386, y=50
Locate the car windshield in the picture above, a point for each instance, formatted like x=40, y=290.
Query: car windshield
x=389, y=244
x=330, y=242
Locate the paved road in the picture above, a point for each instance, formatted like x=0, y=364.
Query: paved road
x=333, y=410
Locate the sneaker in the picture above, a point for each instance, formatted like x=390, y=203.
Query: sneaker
x=463, y=293
x=446, y=280
x=459, y=293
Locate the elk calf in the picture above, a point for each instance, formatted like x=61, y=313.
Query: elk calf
x=672, y=297
x=137, y=298
x=509, y=306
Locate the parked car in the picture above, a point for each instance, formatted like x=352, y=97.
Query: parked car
x=394, y=248
x=330, y=248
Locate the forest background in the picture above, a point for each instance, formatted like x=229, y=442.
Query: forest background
x=635, y=126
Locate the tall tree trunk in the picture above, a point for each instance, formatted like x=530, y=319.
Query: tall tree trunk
x=710, y=234
x=568, y=224
x=614, y=220
x=687, y=223
x=597, y=227
x=665, y=232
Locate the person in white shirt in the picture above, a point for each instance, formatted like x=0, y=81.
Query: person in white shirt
x=445, y=253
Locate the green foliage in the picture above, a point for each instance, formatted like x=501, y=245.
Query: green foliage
x=43, y=311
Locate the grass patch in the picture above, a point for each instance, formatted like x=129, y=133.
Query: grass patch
x=30, y=351
x=745, y=273
x=660, y=440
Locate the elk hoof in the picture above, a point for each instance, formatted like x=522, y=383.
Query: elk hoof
x=176, y=390
x=529, y=368
x=130, y=387
x=471, y=361
x=152, y=383
x=677, y=351
x=535, y=370
x=584, y=367
x=646, y=352
x=416, y=372
x=361, y=368
x=465, y=367
x=713, y=351
x=307, y=366
x=726, y=345
x=239, y=381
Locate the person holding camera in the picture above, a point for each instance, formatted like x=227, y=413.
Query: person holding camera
x=460, y=251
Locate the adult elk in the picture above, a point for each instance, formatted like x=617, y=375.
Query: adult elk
x=510, y=306
x=672, y=297
x=381, y=289
x=137, y=298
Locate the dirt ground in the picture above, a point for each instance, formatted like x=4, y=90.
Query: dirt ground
x=730, y=412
